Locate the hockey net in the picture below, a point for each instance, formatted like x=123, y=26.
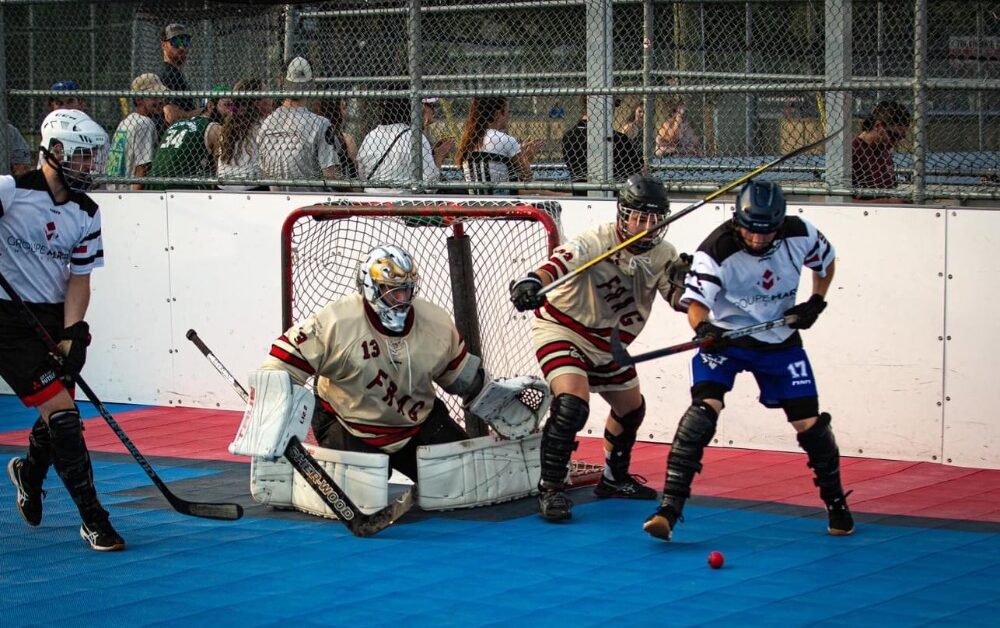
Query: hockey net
x=466, y=254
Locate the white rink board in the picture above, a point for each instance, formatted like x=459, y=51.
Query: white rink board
x=875, y=350
x=972, y=351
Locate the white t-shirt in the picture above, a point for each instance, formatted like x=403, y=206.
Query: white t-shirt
x=292, y=144
x=132, y=145
x=396, y=165
x=498, y=170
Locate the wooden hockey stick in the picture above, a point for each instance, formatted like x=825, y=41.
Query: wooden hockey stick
x=226, y=512
x=313, y=473
x=687, y=210
x=622, y=357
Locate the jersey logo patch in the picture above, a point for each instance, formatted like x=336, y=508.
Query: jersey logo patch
x=768, y=279
x=50, y=230
x=301, y=338
x=713, y=361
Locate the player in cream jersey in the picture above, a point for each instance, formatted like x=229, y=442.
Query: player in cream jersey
x=376, y=356
x=571, y=334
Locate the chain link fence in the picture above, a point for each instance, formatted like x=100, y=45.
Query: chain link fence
x=469, y=96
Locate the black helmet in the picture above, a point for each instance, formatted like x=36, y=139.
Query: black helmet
x=760, y=207
x=642, y=194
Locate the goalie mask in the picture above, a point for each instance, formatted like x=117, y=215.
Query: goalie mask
x=641, y=204
x=387, y=279
x=84, y=147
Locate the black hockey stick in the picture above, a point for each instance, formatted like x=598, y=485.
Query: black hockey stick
x=227, y=512
x=622, y=358
x=313, y=473
x=687, y=210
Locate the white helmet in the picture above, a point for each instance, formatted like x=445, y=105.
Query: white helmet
x=387, y=279
x=84, y=142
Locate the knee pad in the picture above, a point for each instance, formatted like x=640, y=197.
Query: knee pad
x=694, y=433
x=801, y=408
x=40, y=436
x=709, y=390
x=630, y=422
x=65, y=430
x=567, y=416
x=824, y=456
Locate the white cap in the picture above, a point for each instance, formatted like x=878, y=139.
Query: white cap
x=299, y=71
x=429, y=100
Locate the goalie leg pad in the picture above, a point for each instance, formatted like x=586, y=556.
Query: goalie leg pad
x=694, y=433
x=476, y=472
x=620, y=456
x=568, y=416
x=277, y=410
x=363, y=476
x=824, y=457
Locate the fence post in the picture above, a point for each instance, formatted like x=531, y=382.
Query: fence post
x=919, y=100
x=416, y=105
x=4, y=120
x=648, y=106
x=837, y=23
x=600, y=109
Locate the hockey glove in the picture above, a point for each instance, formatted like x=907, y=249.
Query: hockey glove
x=807, y=312
x=676, y=276
x=706, y=331
x=73, y=344
x=524, y=293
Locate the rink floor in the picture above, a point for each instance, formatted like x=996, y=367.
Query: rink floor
x=926, y=551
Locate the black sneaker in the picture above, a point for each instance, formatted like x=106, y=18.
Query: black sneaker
x=661, y=523
x=553, y=505
x=632, y=487
x=29, y=498
x=841, y=521
x=101, y=536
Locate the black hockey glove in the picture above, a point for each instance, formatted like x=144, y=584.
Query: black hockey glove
x=706, y=331
x=73, y=344
x=807, y=312
x=676, y=276
x=524, y=293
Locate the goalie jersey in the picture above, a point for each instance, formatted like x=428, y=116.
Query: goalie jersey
x=378, y=383
x=617, y=291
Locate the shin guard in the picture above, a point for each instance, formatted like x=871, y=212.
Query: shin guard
x=824, y=457
x=620, y=457
x=72, y=463
x=39, y=453
x=567, y=416
x=694, y=433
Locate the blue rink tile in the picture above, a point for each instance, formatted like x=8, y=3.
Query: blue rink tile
x=15, y=416
x=451, y=571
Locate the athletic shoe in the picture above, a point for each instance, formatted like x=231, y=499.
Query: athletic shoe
x=29, y=498
x=101, y=536
x=632, y=487
x=553, y=505
x=661, y=523
x=841, y=521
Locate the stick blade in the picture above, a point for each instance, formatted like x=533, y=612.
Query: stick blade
x=370, y=525
x=618, y=352
x=222, y=512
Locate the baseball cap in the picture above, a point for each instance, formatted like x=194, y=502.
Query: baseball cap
x=174, y=30
x=148, y=82
x=430, y=100
x=65, y=86
x=299, y=71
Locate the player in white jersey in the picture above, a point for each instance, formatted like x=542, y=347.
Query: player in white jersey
x=571, y=334
x=376, y=356
x=50, y=241
x=747, y=271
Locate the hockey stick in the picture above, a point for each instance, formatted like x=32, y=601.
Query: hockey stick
x=227, y=512
x=332, y=495
x=622, y=358
x=684, y=212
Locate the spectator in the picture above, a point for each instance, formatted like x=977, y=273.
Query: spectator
x=335, y=110
x=293, y=142
x=135, y=139
x=487, y=153
x=626, y=154
x=238, y=156
x=871, y=151
x=676, y=138
x=20, y=154
x=385, y=152
x=189, y=147
x=69, y=101
x=176, y=43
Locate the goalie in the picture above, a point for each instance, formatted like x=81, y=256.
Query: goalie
x=375, y=356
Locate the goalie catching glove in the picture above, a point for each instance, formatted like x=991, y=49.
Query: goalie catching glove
x=513, y=407
x=277, y=410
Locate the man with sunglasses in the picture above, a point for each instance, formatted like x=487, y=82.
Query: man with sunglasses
x=176, y=43
x=872, y=166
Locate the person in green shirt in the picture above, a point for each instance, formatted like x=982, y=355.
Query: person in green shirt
x=189, y=148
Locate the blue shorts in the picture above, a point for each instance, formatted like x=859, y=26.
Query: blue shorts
x=781, y=375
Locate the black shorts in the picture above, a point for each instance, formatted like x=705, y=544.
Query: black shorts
x=24, y=361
